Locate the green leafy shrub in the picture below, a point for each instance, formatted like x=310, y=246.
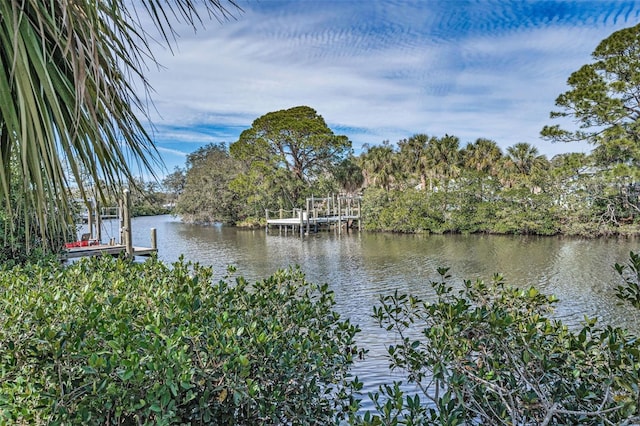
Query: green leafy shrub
x=516, y=211
x=18, y=245
x=109, y=341
x=521, y=212
x=374, y=202
x=473, y=216
x=489, y=354
x=630, y=273
x=408, y=211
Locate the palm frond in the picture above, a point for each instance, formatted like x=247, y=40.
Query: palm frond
x=68, y=103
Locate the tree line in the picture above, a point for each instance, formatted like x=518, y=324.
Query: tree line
x=420, y=184
x=434, y=183
x=431, y=184
x=424, y=184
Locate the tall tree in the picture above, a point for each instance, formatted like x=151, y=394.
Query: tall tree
x=524, y=165
x=67, y=97
x=523, y=157
x=296, y=144
x=443, y=158
x=379, y=164
x=413, y=157
x=207, y=196
x=605, y=100
x=482, y=156
x=174, y=183
x=481, y=160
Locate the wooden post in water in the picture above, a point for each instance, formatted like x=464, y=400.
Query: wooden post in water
x=90, y=218
x=266, y=215
x=315, y=214
x=301, y=214
x=154, y=239
x=328, y=205
x=127, y=223
x=309, y=213
x=339, y=215
x=121, y=221
x=98, y=223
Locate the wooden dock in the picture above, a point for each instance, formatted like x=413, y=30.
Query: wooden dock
x=332, y=212
x=90, y=244
x=105, y=249
x=313, y=221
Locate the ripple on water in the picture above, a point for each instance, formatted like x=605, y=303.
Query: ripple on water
x=359, y=267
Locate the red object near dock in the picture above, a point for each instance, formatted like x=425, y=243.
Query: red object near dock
x=83, y=243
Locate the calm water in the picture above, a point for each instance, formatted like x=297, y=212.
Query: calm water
x=361, y=266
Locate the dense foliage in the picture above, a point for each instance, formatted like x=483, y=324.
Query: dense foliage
x=430, y=184
x=603, y=100
x=283, y=158
x=482, y=189
x=206, y=196
x=490, y=354
x=516, y=211
x=630, y=274
x=285, y=151
x=18, y=241
x=109, y=341
x=70, y=74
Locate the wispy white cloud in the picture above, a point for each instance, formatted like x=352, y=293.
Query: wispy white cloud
x=382, y=70
x=173, y=152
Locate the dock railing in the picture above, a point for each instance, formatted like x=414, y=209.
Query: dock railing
x=336, y=212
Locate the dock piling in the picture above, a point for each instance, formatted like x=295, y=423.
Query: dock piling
x=266, y=214
x=337, y=210
x=98, y=235
x=127, y=223
x=339, y=216
x=154, y=239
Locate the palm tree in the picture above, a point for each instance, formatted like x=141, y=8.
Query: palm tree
x=349, y=175
x=482, y=159
x=443, y=158
x=523, y=156
x=522, y=162
x=482, y=156
x=379, y=165
x=413, y=157
x=68, y=104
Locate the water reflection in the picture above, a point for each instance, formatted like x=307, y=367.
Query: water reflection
x=361, y=266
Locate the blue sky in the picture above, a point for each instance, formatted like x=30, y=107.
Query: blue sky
x=380, y=70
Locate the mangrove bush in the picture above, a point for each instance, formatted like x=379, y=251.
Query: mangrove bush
x=110, y=341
